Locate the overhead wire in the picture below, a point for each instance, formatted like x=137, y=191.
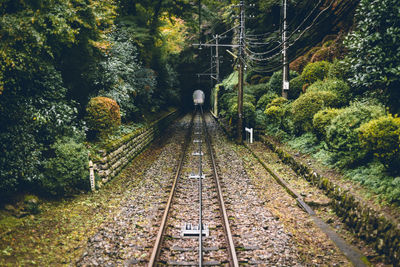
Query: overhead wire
x=221, y=34
x=312, y=24
x=252, y=54
x=290, y=36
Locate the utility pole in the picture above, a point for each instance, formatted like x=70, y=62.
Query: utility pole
x=217, y=57
x=200, y=24
x=215, y=107
x=285, y=71
x=241, y=74
x=211, y=67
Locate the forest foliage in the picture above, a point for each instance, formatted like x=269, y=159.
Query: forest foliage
x=343, y=102
x=55, y=56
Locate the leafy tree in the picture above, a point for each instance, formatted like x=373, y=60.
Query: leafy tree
x=39, y=42
x=121, y=76
x=374, y=49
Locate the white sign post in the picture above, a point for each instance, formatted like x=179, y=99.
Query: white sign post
x=91, y=175
x=250, y=131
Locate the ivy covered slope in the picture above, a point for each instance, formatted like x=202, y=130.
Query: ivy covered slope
x=343, y=102
x=57, y=55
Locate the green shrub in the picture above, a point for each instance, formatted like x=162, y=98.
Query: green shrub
x=322, y=119
x=231, y=81
x=256, y=90
x=339, y=69
x=296, y=87
x=264, y=79
x=315, y=71
x=275, y=83
x=306, y=143
x=307, y=105
x=299, y=63
x=249, y=113
x=374, y=176
x=103, y=116
x=373, y=50
x=382, y=137
x=341, y=88
x=246, y=98
x=261, y=120
x=223, y=103
x=342, y=133
x=277, y=112
x=265, y=100
x=321, y=54
x=277, y=102
x=68, y=171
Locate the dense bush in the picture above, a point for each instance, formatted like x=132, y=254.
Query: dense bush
x=307, y=105
x=257, y=90
x=33, y=115
x=382, y=137
x=315, y=71
x=299, y=64
x=275, y=83
x=278, y=115
x=275, y=110
x=373, y=49
x=122, y=77
x=339, y=69
x=322, y=119
x=232, y=99
x=265, y=100
x=249, y=114
x=339, y=87
x=264, y=79
x=261, y=119
x=103, y=116
x=296, y=87
x=342, y=133
x=322, y=54
x=67, y=172
x=223, y=102
x=374, y=176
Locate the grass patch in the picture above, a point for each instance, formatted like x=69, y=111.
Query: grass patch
x=373, y=176
x=307, y=143
x=58, y=235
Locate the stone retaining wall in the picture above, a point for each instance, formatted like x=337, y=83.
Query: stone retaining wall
x=117, y=154
x=369, y=224
x=378, y=229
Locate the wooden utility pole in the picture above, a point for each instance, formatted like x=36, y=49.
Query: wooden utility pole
x=240, y=103
x=217, y=58
x=241, y=74
x=285, y=71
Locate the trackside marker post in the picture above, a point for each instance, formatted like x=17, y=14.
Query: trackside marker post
x=250, y=131
x=91, y=176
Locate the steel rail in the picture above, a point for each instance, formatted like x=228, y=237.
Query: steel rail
x=200, y=197
x=159, y=239
x=233, y=261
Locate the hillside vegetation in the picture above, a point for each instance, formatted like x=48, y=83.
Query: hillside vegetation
x=343, y=102
x=76, y=74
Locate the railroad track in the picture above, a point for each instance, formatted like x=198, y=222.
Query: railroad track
x=195, y=200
